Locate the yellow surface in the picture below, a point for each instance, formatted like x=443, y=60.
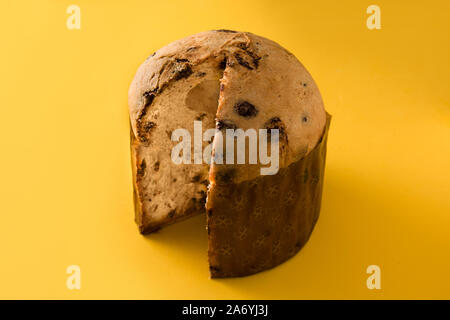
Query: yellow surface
x=66, y=194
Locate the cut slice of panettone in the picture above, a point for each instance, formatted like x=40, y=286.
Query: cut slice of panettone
x=229, y=80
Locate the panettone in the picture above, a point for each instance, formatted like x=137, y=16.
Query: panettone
x=229, y=80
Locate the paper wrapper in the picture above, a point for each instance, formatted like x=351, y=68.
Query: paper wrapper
x=255, y=225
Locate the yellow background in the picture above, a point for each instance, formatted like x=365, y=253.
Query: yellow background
x=66, y=195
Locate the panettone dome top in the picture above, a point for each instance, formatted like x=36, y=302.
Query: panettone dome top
x=258, y=84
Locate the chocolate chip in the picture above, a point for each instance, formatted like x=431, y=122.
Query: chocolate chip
x=256, y=61
x=225, y=124
x=305, y=119
x=275, y=123
x=182, y=71
x=181, y=60
x=245, y=109
x=223, y=63
x=255, y=58
x=148, y=126
x=148, y=97
x=144, y=126
x=242, y=62
x=156, y=166
x=242, y=45
x=141, y=169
